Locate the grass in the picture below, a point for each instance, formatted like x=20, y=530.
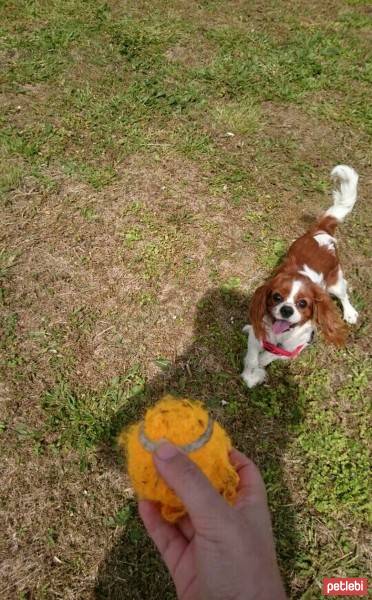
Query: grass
x=155, y=164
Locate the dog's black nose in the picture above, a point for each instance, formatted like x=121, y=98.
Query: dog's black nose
x=286, y=311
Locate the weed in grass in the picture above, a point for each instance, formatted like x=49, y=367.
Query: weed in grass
x=276, y=250
x=133, y=235
x=10, y=178
x=83, y=418
x=231, y=178
x=97, y=176
x=146, y=298
x=181, y=217
x=89, y=214
x=238, y=117
x=122, y=517
x=162, y=363
x=310, y=178
x=192, y=142
x=255, y=216
x=52, y=537
x=8, y=326
x=82, y=319
x=141, y=43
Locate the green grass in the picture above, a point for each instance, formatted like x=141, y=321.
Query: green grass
x=109, y=114
x=156, y=161
x=241, y=117
x=83, y=418
x=335, y=445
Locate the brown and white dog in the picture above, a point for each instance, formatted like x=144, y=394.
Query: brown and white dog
x=285, y=310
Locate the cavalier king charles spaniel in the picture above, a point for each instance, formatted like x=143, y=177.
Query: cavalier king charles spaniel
x=286, y=309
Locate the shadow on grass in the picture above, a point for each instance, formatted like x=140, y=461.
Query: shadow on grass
x=259, y=421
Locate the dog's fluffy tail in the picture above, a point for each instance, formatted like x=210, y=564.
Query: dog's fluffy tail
x=345, y=194
x=344, y=198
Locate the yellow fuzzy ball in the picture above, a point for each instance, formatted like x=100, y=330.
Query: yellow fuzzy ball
x=182, y=422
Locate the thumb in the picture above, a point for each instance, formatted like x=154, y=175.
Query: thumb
x=188, y=482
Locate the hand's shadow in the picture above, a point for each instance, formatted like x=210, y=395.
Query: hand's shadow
x=258, y=421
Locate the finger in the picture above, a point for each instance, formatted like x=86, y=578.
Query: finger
x=189, y=483
x=251, y=486
x=168, y=538
x=186, y=528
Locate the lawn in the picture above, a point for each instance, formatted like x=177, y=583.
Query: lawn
x=156, y=160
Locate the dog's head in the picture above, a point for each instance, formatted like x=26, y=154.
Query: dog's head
x=289, y=301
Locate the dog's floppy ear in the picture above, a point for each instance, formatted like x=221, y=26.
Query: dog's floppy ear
x=329, y=319
x=257, y=310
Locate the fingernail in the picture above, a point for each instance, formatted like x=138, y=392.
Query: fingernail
x=166, y=451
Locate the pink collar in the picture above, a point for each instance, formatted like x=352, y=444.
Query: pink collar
x=281, y=351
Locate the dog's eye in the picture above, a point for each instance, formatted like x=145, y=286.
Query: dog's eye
x=277, y=297
x=302, y=304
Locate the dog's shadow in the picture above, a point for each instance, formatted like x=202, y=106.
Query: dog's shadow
x=258, y=421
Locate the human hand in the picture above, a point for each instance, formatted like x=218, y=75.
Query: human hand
x=217, y=551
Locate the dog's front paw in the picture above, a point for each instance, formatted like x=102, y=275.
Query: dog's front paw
x=351, y=315
x=253, y=377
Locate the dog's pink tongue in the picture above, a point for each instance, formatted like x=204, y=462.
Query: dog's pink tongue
x=280, y=325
